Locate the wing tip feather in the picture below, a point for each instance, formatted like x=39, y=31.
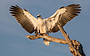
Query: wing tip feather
x=15, y=9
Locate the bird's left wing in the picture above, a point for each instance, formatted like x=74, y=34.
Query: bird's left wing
x=27, y=21
x=62, y=16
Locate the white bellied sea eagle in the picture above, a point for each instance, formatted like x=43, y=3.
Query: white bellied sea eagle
x=44, y=26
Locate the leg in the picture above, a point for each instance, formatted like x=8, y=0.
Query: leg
x=36, y=33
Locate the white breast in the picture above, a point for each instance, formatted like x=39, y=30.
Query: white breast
x=41, y=28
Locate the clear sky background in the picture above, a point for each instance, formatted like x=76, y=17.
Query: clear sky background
x=12, y=36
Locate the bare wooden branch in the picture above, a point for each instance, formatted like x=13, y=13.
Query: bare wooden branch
x=49, y=38
x=78, y=46
x=73, y=45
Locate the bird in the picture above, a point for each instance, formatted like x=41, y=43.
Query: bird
x=44, y=26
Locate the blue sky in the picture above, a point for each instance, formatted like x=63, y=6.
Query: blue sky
x=12, y=36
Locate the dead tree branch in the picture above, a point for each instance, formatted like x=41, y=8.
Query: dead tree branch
x=74, y=46
x=49, y=38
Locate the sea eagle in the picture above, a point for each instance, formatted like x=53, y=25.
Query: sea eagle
x=44, y=26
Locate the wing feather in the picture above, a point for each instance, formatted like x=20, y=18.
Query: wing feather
x=27, y=21
x=62, y=16
x=71, y=11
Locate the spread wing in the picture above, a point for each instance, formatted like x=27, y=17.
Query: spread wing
x=27, y=21
x=62, y=16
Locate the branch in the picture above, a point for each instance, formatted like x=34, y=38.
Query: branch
x=49, y=38
x=74, y=46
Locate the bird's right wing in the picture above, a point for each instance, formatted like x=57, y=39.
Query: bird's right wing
x=62, y=16
x=27, y=21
